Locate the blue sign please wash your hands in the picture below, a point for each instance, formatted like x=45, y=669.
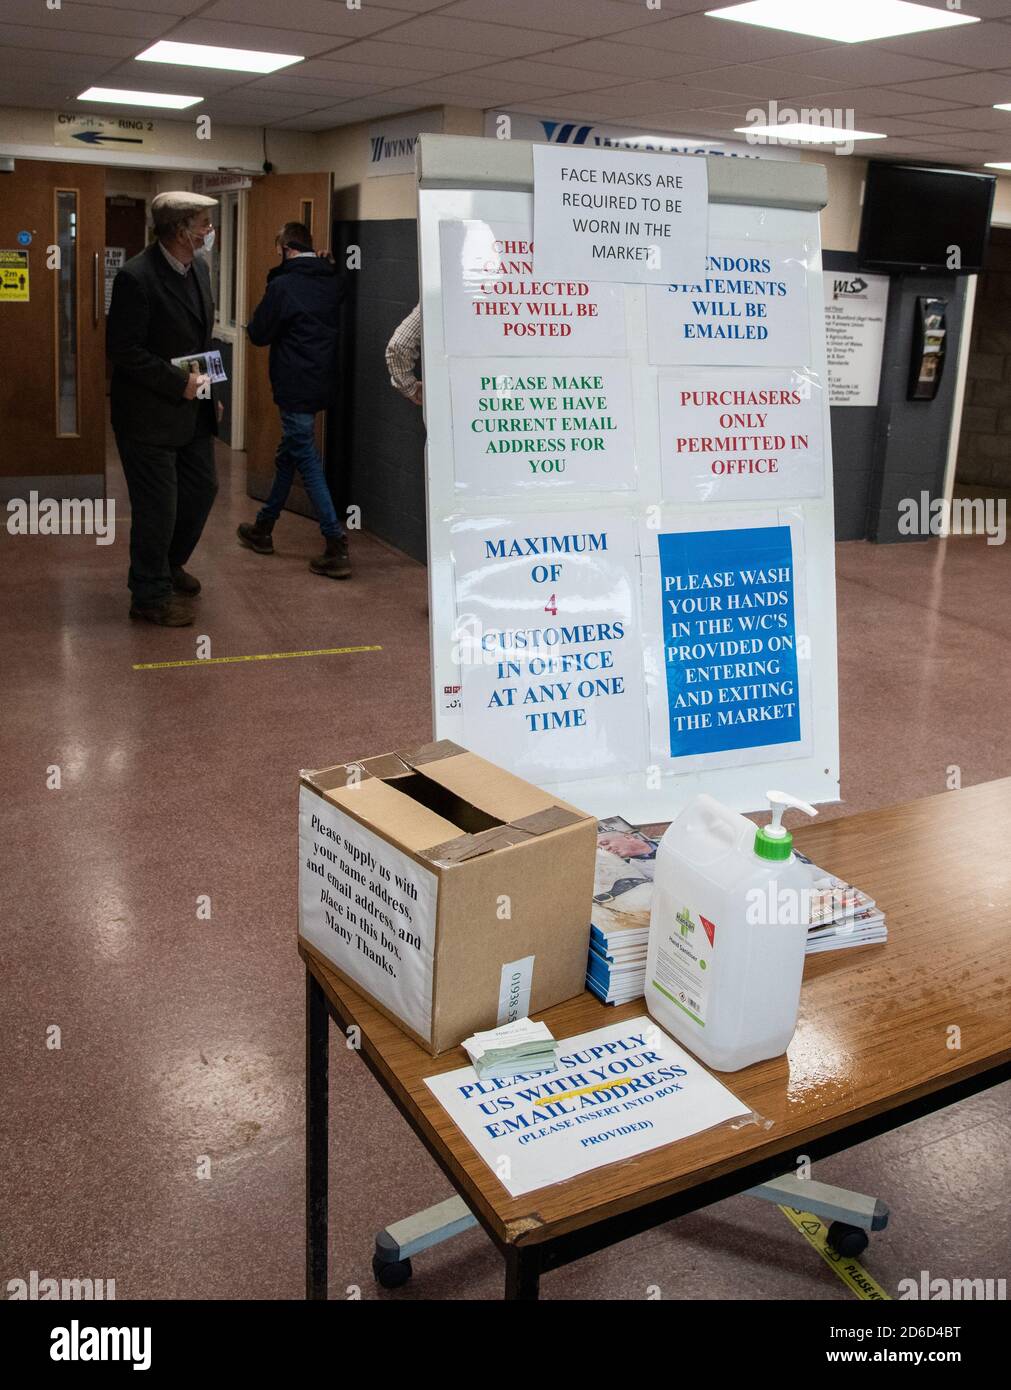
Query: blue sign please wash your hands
x=729, y=639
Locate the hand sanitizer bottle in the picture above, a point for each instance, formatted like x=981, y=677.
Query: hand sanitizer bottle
x=727, y=933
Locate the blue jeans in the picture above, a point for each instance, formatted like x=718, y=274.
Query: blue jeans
x=297, y=449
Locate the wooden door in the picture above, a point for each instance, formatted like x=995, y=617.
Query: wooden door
x=52, y=329
x=274, y=200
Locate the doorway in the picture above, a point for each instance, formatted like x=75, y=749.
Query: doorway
x=983, y=467
x=52, y=330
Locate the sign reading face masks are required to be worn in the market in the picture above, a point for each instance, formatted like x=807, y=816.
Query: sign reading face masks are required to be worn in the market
x=366, y=904
x=632, y=218
x=542, y=423
x=494, y=304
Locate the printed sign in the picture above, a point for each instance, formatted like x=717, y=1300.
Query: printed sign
x=548, y=642
x=83, y=130
x=729, y=639
x=610, y=215
x=391, y=143
x=368, y=908
x=616, y=1092
x=561, y=130
x=749, y=308
x=115, y=259
x=14, y=276
x=495, y=305
x=856, y=307
x=740, y=435
x=542, y=423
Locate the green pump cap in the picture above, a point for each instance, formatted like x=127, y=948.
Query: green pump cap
x=774, y=841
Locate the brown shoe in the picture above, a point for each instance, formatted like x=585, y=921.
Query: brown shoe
x=334, y=562
x=172, y=613
x=185, y=583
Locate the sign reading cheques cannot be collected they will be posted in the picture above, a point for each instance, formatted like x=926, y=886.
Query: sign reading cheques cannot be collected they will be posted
x=609, y=215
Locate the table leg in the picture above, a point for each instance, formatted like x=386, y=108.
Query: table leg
x=523, y=1273
x=317, y=1119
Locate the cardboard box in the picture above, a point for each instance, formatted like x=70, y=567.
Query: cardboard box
x=452, y=894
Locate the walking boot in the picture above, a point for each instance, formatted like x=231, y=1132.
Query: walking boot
x=334, y=562
x=256, y=536
x=185, y=583
x=174, y=612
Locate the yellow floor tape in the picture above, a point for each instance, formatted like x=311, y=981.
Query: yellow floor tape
x=256, y=656
x=851, y=1272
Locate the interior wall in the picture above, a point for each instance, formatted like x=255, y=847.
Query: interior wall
x=984, y=453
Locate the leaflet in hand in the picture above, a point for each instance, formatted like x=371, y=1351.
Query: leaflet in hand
x=208, y=364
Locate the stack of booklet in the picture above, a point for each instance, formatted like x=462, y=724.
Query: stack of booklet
x=619, y=920
x=841, y=915
x=515, y=1049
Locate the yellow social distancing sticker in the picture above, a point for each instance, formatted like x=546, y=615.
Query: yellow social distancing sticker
x=850, y=1271
x=14, y=276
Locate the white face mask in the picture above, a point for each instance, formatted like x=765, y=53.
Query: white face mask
x=208, y=242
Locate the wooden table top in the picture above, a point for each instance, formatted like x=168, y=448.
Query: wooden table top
x=874, y=1020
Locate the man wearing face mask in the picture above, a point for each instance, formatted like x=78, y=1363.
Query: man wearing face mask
x=163, y=416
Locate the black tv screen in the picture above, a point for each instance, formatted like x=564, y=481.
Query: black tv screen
x=914, y=214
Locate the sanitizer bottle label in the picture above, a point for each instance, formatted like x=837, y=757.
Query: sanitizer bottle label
x=684, y=964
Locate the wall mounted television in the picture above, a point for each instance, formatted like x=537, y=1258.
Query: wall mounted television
x=914, y=214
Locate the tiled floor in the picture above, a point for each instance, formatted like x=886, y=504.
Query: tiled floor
x=181, y=1036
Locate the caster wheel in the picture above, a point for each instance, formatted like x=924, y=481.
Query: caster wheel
x=847, y=1240
x=391, y=1274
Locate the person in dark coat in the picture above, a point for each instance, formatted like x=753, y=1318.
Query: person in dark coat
x=299, y=318
x=164, y=417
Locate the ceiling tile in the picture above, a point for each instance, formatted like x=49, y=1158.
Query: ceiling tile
x=166, y=77
x=863, y=65
x=228, y=35
x=50, y=38
x=337, y=75
x=547, y=76
x=383, y=53
x=975, y=89
x=757, y=81
x=176, y=8
x=308, y=16
x=621, y=60
x=92, y=19
x=883, y=101
x=986, y=45
x=467, y=36
x=971, y=118
x=578, y=18
x=698, y=33
x=311, y=94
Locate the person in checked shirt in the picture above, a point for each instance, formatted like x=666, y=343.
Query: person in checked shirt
x=402, y=354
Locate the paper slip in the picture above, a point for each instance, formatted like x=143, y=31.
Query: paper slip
x=520, y=1046
x=618, y=1091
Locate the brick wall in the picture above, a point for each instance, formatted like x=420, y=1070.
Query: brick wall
x=984, y=450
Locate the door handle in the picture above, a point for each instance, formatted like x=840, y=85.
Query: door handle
x=95, y=288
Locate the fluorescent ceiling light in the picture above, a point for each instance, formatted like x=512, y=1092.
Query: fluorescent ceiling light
x=997, y=164
x=815, y=134
x=1002, y=106
x=124, y=98
x=203, y=55
x=846, y=21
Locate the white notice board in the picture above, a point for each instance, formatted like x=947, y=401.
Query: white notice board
x=630, y=518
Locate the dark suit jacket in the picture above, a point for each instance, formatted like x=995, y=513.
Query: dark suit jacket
x=152, y=318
